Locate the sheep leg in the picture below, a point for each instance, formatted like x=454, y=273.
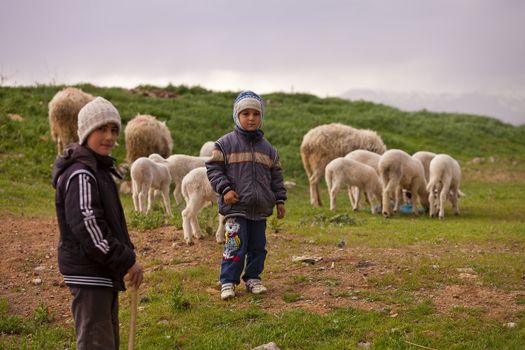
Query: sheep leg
x=195, y=227
x=398, y=196
x=135, y=195
x=335, y=187
x=454, y=200
x=177, y=193
x=186, y=223
x=369, y=196
x=142, y=197
x=166, y=199
x=413, y=191
x=353, y=196
x=357, y=198
x=389, y=188
x=315, y=199
x=442, y=200
x=219, y=234
x=151, y=199
x=432, y=203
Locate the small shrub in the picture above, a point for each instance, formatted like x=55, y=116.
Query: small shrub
x=151, y=220
x=12, y=325
x=42, y=315
x=178, y=301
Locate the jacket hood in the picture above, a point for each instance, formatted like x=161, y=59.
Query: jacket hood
x=76, y=153
x=250, y=135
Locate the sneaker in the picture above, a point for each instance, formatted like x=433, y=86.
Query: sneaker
x=255, y=286
x=227, y=291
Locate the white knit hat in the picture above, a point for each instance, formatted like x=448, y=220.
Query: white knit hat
x=95, y=114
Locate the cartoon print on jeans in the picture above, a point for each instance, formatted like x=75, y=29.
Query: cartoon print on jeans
x=233, y=242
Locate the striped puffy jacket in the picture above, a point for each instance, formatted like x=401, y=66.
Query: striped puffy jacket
x=94, y=247
x=247, y=163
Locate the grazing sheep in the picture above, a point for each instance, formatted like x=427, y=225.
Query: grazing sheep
x=398, y=170
x=206, y=149
x=197, y=192
x=179, y=165
x=445, y=176
x=145, y=135
x=326, y=142
x=366, y=157
x=146, y=177
x=424, y=157
x=63, y=115
x=348, y=172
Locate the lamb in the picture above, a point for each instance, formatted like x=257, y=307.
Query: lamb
x=146, y=177
x=445, y=176
x=197, y=192
x=366, y=157
x=63, y=115
x=397, y=170
x=145, y=135
x=424, y=157
x=206, y=149
x=343, y=171
x=326, y=142
x=179, y=165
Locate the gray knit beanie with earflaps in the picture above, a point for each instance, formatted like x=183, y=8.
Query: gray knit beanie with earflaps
x=247, y=99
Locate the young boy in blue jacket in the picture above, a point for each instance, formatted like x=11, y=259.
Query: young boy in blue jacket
x=245, y=172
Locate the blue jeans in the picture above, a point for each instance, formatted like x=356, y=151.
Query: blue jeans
x=245, y=241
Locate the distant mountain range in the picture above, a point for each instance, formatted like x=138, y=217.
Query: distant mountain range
x=509, y=108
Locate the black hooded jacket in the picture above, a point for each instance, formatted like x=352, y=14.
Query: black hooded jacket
x=94, y=247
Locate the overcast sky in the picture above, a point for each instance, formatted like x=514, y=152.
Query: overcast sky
x=324, y=47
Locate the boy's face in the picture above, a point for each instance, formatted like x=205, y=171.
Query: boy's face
x=250, y=119
x=103, y=139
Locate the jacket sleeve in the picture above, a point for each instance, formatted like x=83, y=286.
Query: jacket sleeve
x=277, y=181
x=216, y=171
x=85, y=217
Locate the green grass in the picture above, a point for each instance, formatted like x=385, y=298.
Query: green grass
x=415, y=253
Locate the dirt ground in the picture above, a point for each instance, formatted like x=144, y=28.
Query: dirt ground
x=29, y=275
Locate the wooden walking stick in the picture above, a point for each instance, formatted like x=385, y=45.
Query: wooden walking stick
x=133, y=317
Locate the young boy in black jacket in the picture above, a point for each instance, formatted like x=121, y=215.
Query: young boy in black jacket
x=245, y=172
x=94, y=251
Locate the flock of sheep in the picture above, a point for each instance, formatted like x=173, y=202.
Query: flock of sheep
x=348, y=158
x=359, y=161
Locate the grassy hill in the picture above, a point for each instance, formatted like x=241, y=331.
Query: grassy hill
x=195, y=115
x=400, y=283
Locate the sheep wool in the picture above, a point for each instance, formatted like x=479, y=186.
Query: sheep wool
x=247, y=99
x=63, y=115
x=95, y=114
x=145, y=135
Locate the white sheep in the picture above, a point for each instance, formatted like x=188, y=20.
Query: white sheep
x=342, y=172
x=146, y=177
x=63, y=115
x=363, y=156
x=145, y=135
x=445, y=176
x=425, y=158
x=179, y=165
x=197, y=192
x=326, y=142
x=206, y=149
x=397, y=170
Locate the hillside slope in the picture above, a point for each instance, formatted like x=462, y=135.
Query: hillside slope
x=195, y=115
